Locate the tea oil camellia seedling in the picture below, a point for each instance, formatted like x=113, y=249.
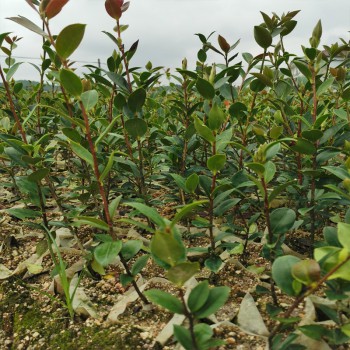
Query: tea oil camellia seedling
x=217, y=206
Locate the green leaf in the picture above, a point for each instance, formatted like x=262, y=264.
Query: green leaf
x=306, y=271
x=72, y=134
x=192, y=182
x=324, y=87
x=167, y=248
x=125, y=279
x=165, y=300
x=149, y=212
x=216, y=117
x=38, y=175
x=23, y=213
x=136, y=127
x=185, y=210
x=87, y=220
x=346, y=329
x=108, y=167
x=139, y=264
x=181, y=273
x=71, y=82
x=107, y=252
x=183, y=336
x=114, y=205
x=313, y=331
x=81, y=152
x=217, y=298
x=282, y=273
x=312, y=135
x=12, y=70
x=216, y=163
x=263, y=78
x=89, y=99
x=303, y=146
x=257, y=167
x=131, y=248
x=270, y=171
x=262, y=36
x=204, y=131
x=69, y=39
x=282, y=220
x=277, y=190
x=304, y=69
x=198, y=296
x=205, y=88
x=137, y=99
x=344, y=235
x=25, y=22
x=106, y=131
x=213, y=263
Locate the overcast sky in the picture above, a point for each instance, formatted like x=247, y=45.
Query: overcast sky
x=166, y=28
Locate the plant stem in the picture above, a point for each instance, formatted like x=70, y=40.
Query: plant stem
x=97, y=172
x=12, y=106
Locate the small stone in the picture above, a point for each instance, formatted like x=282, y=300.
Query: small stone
x=231, y=340
x=35, y=335
x=144, y=335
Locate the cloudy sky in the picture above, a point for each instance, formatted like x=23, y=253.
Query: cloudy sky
x=166, y=28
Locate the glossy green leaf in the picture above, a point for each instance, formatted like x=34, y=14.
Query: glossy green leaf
x=136, y=127
x=165, y=300
x=216, y=163
x=282, y=273
x=216, y=299
x=69, y=39
x=262, y=37
x=137, y=99
x=38, y=175
x=270, y=171
x=89, y=99
x=108, y=167
x=167, y=248
x=86, y=220
x=198, y=296
x=204, y=131
x=149, y=212
x=205, y=88
x=82, y=152
x=306, y=271
x=72, y=134
x=312, y=135
x=183, y=336
x=304, y=69
x=282, y=220
x=71, y=82
x=181, y=273
x=263, y=78
x=185, y=210
x=25, y=22
x=192, y=182
x=213, y=263
x=131, y=248
x=216, y=117
x=107, y=252
x=139, y=264
x=22, y=213
x=113, y=205
x=324, y=87
x=303, y=146
x=344, y=235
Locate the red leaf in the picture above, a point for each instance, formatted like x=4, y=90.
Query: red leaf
x=114, y=8
x=54, y=7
